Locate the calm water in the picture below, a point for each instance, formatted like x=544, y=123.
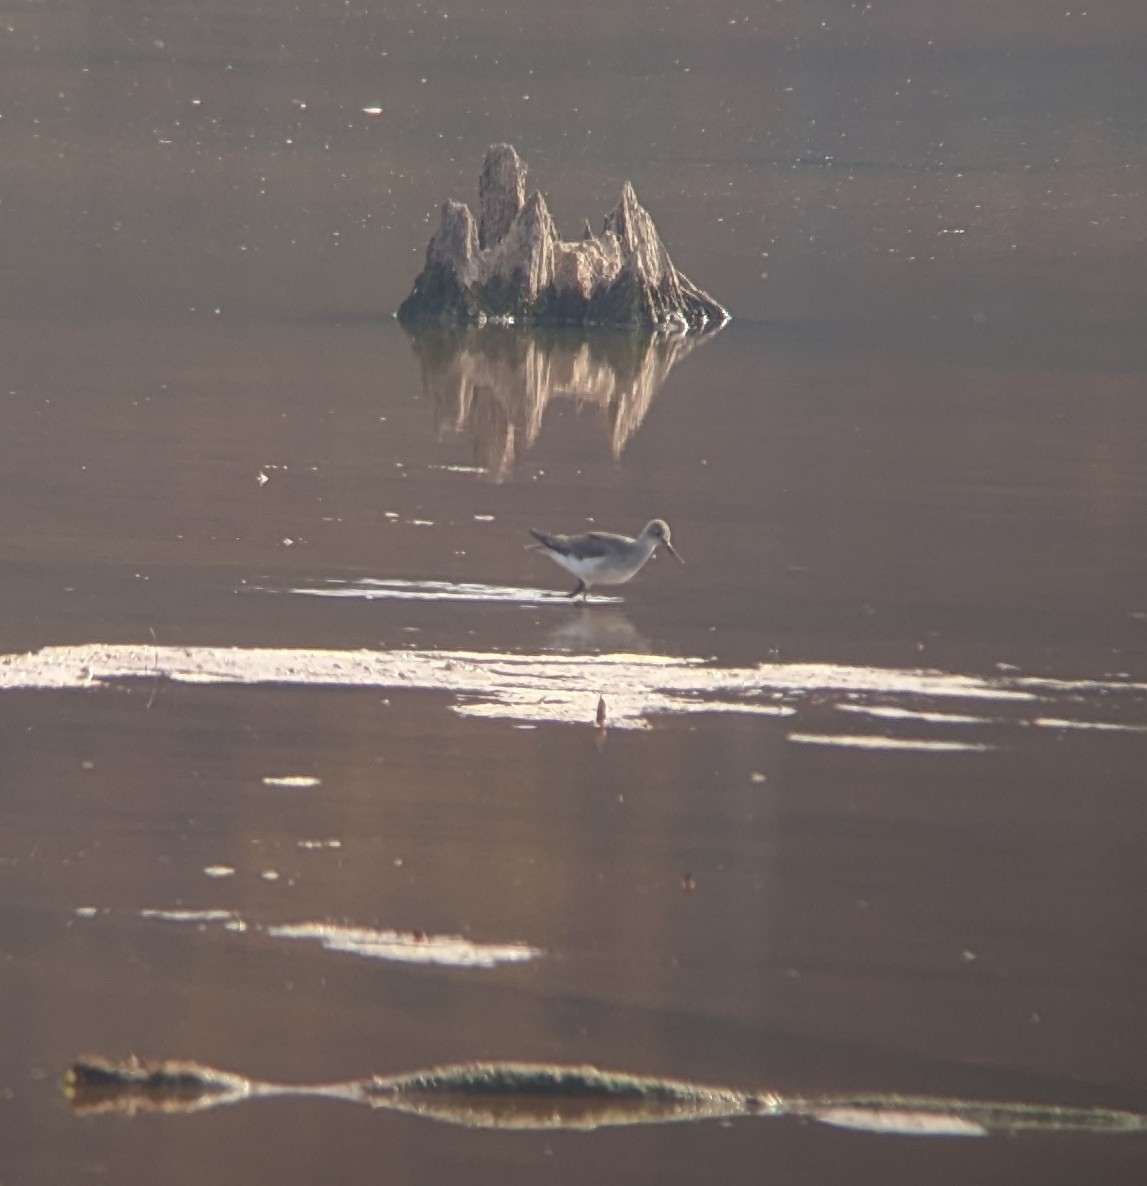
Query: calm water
x=791, y=861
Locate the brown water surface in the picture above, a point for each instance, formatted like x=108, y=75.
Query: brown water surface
x=790, y=861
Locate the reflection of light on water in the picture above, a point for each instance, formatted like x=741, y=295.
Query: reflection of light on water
x=887, y=712
x=201, y=916
x=373, y=590
x=536, y=688
x=831, y=677
x=529, y=688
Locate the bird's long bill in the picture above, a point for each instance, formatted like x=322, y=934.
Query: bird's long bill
x=673, y=551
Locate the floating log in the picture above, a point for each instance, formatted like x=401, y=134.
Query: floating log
x=511, y=267
x=97, y=1084
x=505, y=1095
x=519, y=1095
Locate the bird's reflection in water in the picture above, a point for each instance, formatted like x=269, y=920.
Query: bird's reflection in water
x=495, y=382
x=592, y=631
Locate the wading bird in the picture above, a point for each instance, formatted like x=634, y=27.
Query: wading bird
x=602, y=558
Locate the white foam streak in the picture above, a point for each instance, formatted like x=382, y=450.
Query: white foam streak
x=902, y=1121
x=1042, y=686
x=888, y=713
x=874, y=741
x=1101, y=726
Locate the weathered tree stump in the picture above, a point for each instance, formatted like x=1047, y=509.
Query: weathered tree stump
x=511, y=267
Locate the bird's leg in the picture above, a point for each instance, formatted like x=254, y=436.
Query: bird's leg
x=581, y=588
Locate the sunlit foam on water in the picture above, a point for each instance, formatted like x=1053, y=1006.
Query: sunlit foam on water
x=900, y=1120
x=406, y=947
x=879, y=741
x=537, y=688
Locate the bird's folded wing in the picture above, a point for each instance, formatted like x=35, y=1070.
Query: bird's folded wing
x=589, y=547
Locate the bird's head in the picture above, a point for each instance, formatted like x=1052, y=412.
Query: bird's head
x=658, y=532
